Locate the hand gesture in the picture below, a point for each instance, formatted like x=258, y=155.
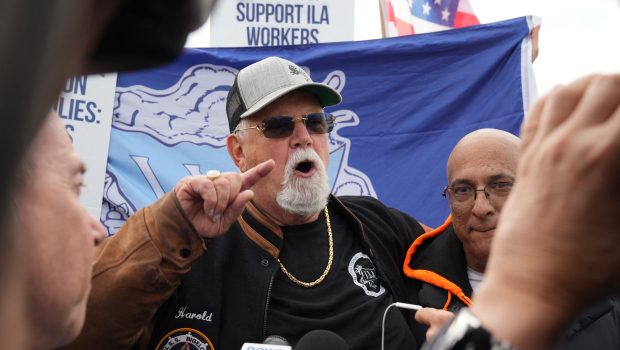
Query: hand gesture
x=434, y=319
x=213, y=205
x=564, y=211
x=556, y=246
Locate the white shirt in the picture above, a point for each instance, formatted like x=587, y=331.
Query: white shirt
x=475, y=278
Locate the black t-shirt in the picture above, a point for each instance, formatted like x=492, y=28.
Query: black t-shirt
x=350, y=301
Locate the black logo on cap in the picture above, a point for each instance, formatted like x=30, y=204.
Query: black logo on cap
x=294, y=70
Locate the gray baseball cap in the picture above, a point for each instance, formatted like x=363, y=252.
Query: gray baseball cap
x=261, y=83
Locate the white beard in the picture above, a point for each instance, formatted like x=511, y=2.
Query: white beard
x=304, y=195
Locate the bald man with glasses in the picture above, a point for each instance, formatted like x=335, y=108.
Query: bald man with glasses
x=449, y=263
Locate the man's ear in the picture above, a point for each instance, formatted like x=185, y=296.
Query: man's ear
x=235, y=150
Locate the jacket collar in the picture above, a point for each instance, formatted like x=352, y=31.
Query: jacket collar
x=260, y=229
x=268, y=235
x=437, y=258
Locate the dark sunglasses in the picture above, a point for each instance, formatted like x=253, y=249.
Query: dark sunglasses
x=278, y=127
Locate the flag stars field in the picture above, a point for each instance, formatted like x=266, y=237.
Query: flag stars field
x=445, y=15
x=426, y=8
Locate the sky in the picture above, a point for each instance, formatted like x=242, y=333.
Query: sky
x=577, y=37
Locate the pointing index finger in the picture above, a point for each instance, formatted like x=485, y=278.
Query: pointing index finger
x=255, y=174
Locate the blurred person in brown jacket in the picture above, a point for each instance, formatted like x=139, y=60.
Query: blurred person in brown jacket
x=44, y=43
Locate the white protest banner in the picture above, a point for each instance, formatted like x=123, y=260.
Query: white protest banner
x=281, y=22
x=85, y=107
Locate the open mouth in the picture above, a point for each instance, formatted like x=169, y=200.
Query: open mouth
x=304, y=167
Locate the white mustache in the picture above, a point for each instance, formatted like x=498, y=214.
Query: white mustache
x=302, y=155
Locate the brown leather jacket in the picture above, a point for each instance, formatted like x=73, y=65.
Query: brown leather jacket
x=144, y=270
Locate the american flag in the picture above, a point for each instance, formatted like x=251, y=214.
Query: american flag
x=403, y=17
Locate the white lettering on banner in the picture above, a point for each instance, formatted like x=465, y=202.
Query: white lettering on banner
x=151, y=178
x=281, y=22
x=149, y=175
x=193, y=169
x=204, y=316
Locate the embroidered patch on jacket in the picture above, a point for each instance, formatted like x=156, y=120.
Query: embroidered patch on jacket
x=364, y=275
x=185, y=339
x=204, y=316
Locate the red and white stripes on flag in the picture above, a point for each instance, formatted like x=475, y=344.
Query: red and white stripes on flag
x=403, y=17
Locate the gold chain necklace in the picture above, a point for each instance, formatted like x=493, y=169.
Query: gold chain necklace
x=329, y=261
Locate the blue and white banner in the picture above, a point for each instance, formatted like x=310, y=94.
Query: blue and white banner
x=407, y=101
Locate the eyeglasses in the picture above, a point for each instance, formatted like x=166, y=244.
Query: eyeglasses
x=463, y=193
x=283, y=126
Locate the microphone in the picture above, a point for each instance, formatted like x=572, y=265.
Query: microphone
x=399, y=305
x=321, y=339
x=272, y=342
x=275, y=340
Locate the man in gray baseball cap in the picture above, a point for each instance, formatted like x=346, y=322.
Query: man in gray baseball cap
x=230, y=258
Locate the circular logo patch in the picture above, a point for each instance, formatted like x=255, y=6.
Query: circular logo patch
x=364, y=275
x=184, y=339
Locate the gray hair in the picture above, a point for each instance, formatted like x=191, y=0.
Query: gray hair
x=241, y=135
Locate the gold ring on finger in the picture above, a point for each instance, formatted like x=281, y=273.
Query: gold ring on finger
x=213, y=174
